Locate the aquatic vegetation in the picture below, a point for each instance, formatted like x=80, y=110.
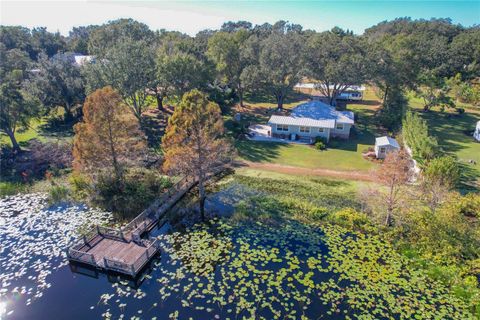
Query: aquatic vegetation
x=292, y=271
x=34, y=239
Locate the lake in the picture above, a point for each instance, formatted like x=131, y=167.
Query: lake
x=220, y=270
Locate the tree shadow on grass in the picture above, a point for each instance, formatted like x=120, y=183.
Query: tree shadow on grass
x=469, y=179
x=57, y=128
x=256, y=151
x=451, y=131
x=357, y=137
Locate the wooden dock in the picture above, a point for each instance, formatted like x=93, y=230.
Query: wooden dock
x=124, y=250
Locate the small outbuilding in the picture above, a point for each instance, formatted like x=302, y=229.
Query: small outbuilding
x=476, y=133
x=384, y=145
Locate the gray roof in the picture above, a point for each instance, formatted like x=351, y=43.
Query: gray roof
x=300, y=121
x=314, y=114
x=321, y=111
x=386, y=141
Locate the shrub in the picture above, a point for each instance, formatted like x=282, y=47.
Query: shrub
x=138, y=190
x=58, y=193
x=350, y=218
x=443, y=170
x=319, y=145
x=80, y=185
x=415, y=133
x=11, y=188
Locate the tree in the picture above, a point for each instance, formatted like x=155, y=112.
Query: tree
x=78, y=37
x=108, y=139
x=129, y=67
x=176, y=73
x=434, y=93
x=59, y=82
x=440, y=176
x=226, y=50
x=193, y=142
x=47, y=42
x=279, y=65
x=336, y=59
x=394, y=173
x=17, y=107
x=415, y=134
x=106, y=36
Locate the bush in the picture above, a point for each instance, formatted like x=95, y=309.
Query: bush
x=11, y=188
x=351, y=219
x=80, y=185
x=58, y=193
x=138, y=190
x=443, y=170
x=319, y=145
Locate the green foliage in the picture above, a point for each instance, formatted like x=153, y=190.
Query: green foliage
x=351, y=219
x=58, y=193
x=393, y=109
x=415, y=133
x=255, y=270
x=11, y=188
x=139, y=189
x=320, y=145
x=80, y=185
x=443, y=170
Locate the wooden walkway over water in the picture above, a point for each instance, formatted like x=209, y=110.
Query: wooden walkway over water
x=124, y=250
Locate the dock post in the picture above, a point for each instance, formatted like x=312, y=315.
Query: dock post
x=133, y=269
x=105, y=262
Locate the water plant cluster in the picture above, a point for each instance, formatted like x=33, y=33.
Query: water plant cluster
x=257, y=271
x=34, y=238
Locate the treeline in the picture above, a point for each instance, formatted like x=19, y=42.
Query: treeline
x=436, y=58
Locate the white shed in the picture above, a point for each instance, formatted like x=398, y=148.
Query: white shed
x=476, y=133
x=385, y=144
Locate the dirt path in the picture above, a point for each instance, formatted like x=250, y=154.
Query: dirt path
x=347, y=175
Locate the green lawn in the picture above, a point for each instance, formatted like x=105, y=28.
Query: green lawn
x=346, y=156
x=454, y=135
x=24, y=135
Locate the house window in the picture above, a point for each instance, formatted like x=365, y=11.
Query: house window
x=339, y=126
x=321, y=129
x=282, y=127
x=383, y=149
x=305, y=129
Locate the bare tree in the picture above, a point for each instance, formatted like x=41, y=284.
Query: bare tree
x=394, y=173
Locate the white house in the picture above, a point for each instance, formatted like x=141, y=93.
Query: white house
x=81, y=59
x=310, y=120
x=476, y=133
x=384, y=145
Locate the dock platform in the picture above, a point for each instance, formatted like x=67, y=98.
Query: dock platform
x=124, y=250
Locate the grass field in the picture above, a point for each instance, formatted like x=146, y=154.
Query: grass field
x=454, y=135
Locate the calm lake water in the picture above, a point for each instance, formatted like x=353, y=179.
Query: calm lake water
x=221, y=270
x=77, y=292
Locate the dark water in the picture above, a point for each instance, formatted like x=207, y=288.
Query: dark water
x=75, y=290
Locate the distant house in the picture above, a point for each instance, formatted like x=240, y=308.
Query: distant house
x=310, y=120
x=476, y=133
x=81, y=60
x=384, y=145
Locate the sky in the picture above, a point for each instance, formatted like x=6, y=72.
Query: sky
x=192, y=16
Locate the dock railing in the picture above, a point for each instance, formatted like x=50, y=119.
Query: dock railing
x=81, y=256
